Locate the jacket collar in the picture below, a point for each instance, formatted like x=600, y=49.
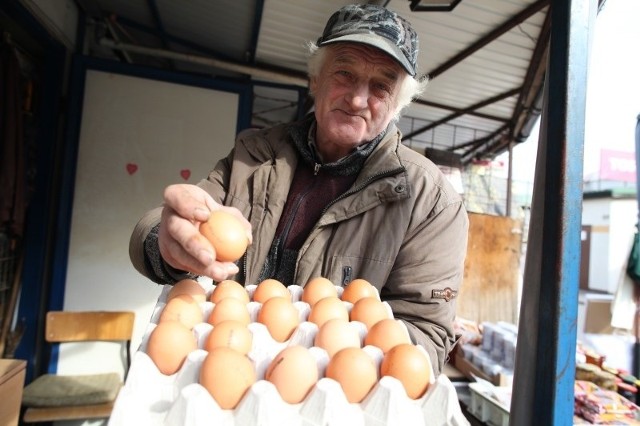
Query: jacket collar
x=303, y=135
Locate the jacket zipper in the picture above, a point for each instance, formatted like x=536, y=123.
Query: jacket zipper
x=346, y=275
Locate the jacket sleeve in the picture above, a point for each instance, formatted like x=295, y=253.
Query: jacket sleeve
x=430, y=266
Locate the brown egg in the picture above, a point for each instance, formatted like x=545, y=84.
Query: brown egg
x=368, y=310
x=169, y=344
x=386, y=334
x=227, y=235
x=270, y=288
x=294, y=372
x=318, y=288
x=410, y=365
x=356, y=372
x=229, y=309
x=183, y=308
x=280, y=316
x=328, y=308
x=357, y=289
x=336, y=334
x=229, y=288
x=227, y=375
x=189, y=287
x=230, y=334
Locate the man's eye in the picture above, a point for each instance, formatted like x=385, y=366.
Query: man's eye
x=382, y=88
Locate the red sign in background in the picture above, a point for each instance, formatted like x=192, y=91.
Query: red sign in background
x=617, y=165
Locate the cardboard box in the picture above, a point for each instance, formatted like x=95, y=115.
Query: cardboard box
x=598, y=316
x=12, y=373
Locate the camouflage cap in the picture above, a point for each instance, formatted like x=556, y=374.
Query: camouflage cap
x=377, y=27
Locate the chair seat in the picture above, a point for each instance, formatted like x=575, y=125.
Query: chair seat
x=50, y=414
x=78, y=390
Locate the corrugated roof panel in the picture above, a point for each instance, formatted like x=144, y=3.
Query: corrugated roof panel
x=286, y=27
x=137, y=11
x=231, y=36
x=456, y=30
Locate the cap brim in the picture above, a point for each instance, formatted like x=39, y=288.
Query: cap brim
x=376, y=41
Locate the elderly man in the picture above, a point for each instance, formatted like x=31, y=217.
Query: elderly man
x=336, y=194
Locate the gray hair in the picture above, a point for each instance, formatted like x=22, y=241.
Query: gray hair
x=410, y=88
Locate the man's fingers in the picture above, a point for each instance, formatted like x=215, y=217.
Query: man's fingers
x=188, y=237
x=189, y=201
x=220, y=271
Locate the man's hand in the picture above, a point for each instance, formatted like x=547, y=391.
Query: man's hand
x=181, y=244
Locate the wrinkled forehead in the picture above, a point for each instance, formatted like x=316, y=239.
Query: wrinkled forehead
x=357, y=54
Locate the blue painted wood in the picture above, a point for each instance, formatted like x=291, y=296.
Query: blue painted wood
x=545, y=356
x=39, y=233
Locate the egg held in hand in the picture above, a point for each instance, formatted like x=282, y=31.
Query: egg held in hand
x=227, y=235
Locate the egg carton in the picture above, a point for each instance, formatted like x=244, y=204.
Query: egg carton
x=152, y=398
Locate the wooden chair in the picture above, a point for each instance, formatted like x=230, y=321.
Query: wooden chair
x=53, y=397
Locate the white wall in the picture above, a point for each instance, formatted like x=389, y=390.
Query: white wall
x=614, y=221
x=136, y=137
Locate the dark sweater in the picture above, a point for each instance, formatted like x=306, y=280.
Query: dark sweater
x=315, y=186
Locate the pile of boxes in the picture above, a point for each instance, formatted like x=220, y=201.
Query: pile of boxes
x=497, y=351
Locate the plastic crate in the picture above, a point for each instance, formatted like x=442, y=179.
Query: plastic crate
x=487, y=407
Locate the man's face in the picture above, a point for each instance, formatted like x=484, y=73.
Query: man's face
x=355, y=97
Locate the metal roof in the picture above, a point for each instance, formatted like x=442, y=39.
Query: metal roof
x=485, y=59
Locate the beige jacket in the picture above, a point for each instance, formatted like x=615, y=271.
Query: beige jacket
x=401, y=226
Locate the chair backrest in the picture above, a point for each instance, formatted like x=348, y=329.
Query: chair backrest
x=47, y=398
x=86, y=326
x=69, y=326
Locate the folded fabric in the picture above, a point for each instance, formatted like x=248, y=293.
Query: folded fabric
x=51, y=390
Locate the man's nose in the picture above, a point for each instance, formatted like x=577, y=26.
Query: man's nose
x=358, y=96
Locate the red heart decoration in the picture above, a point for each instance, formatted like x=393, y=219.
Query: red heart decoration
x=185, y=173
x=132, y=168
